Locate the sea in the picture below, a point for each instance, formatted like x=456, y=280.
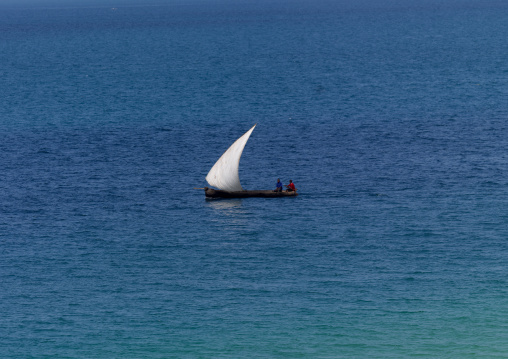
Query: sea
x=390, y=116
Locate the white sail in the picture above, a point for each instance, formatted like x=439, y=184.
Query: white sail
x=224, y=173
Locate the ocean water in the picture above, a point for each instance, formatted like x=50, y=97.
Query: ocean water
x=391, y=117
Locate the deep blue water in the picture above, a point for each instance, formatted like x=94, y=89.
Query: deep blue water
x=390, y=117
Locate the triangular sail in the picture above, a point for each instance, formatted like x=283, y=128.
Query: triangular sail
x=224, y=173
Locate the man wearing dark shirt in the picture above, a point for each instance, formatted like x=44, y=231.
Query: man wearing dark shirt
x=279, y=186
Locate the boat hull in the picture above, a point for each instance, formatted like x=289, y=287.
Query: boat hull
x=215, y=193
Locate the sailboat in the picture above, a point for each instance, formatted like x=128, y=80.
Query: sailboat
x=224, y=175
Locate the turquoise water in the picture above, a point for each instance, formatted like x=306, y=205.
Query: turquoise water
x=390, y=117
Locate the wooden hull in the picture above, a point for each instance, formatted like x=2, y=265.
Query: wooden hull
x=215, y=193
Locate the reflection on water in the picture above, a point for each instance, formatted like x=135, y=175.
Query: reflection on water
x=230, y=211
x=225, y=205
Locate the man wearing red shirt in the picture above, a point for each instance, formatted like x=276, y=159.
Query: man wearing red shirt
x=291, y=186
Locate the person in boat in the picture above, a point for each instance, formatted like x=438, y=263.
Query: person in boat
x=291, y=187
x=278, y=187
